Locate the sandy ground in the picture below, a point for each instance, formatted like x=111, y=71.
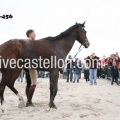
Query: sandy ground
x=75, y=101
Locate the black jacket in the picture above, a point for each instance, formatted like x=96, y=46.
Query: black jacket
x=93, y=61
x=69, y=65
x=114, y=72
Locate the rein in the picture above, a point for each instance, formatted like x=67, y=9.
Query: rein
x=76, y=53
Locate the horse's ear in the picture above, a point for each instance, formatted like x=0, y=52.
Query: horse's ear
x=76, y=23
x=83, y=24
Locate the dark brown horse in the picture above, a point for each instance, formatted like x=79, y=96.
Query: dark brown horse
x=58, y=46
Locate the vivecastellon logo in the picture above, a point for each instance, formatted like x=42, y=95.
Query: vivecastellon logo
x=46, y=63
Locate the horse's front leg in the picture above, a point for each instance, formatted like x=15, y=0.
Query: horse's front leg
x=53, y=87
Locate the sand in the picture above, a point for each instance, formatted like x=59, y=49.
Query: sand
x=75, y=101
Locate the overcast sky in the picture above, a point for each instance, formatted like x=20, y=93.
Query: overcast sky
x=51, y=17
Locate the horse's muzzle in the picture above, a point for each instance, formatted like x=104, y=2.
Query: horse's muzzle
x=87, y=44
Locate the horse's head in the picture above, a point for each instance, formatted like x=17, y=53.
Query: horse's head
x=81, y=35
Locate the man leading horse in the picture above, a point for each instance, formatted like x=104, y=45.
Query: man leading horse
x=31, y=75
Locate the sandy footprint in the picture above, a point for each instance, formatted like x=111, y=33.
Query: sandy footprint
x=97, y=100
x=64, y=115
x=84, y=115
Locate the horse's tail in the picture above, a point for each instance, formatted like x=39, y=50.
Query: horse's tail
x=1, y=89
x=1, y=94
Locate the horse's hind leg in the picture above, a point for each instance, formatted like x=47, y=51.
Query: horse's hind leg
x=14, y=73
x=28, y=80
x=5, y=81
x=16, y=92
x=8, y=79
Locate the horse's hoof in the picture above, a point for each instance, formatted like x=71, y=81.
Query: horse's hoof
x=54, y=106
x=21, y=104
x=48, y=109
x=2, y=110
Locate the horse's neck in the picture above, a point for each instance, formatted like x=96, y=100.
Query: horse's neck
x=67, y=43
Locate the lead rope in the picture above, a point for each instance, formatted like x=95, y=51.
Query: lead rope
x=74, y=55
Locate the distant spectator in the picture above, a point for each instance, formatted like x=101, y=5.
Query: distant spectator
x=80, y=67
x=20, y=77
x=64, y=72
x=108, y=68
x=69, y=70
x=115, y=74
x=42, y=74
x=117, y=55
x=77, y=70
x=86, y=72
x=93, y=59
x=47, y=74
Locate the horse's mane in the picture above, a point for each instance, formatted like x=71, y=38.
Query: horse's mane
x=64, y=34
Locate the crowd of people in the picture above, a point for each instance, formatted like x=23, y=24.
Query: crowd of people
x=110, y=68
x=94, y=67
x=106, y=68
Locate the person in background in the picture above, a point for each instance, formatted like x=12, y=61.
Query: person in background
x=77, y=70
x=20, y=77
x=94, y=60
x=115, y=74
x=108, y=69
x=117, y=54
x=38, y=71
x=111, y=60
x=105, y=71
x=114, y=58
x=119, y=72
x=102, y=64
x=64, y=72
x=42, y=74
x=99, y=69
x=117, y=60
x=118, y=65
x=86, y=72
x=80, y=67
x=69, y=69
x=47, y=74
